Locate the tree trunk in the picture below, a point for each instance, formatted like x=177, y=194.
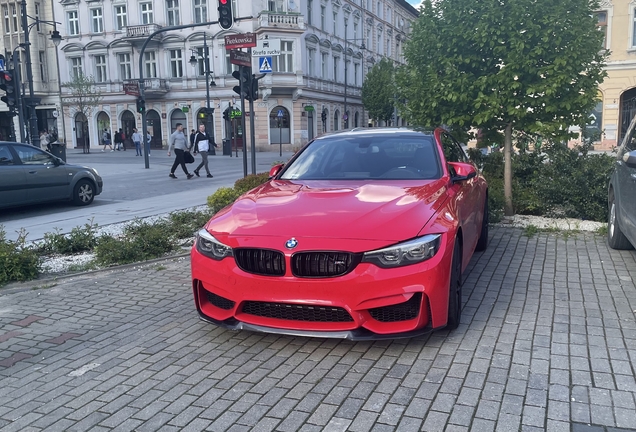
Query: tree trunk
x=508, y=208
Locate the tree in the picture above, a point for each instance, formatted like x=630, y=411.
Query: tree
x=83, y=97
x=530, y=66
x=378, y=91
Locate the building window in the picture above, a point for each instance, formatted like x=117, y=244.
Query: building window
x=147, y=16
x=121, y=19
x=176, y=63
x=37, y=16
x=76, y=67
x=310, y=61
x=200, y=11
x=323, y=12
x=43, y=69
x=125, y=68
x=356, y=72
x=229, y=67
x=7, y=21
x=100, y=68
x=379, y=10
x=275, y=6
x=355, y=30
x=379, y=43
x=388, y=15
x=335, y=22
x=14, y=13
x=388, y=47
x=284, y=62
x=309, y=8
x=150, y=60
x=97, y=21
x=172, y=10
x=73, y=23
x=369, y=39
x=336, y=60
x=602, y=26
x=323, y=65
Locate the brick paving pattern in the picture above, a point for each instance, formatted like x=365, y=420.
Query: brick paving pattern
x=547, y=343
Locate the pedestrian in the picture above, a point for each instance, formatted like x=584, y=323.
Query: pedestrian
x=192, y=134
x=123, y=139
x=148, y=140
x=118, y=139
x=179, y=142
x=44, y=141
x=136, y=137
x=203, y=142
x=106, y=140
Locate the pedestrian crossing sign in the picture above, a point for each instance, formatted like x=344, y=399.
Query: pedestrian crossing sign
x=265, y=64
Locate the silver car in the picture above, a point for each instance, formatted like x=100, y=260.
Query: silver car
x=29, y=175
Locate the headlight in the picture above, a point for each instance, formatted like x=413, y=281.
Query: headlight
x=210, y=247
x=401, y=254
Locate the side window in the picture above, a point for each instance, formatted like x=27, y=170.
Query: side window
x=6, y=158
x=33, y=156
x=452, y=151
x=630, y=144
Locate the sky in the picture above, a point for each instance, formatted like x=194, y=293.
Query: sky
x=414, y=2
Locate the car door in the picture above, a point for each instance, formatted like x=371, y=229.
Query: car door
x=626, y=187
x=46, y=178
x=13, y=185
x=467, y=197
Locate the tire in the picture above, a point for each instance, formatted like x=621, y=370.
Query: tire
x=83, y=193
x=482, y=243
x=455, y=290
x=615, y=237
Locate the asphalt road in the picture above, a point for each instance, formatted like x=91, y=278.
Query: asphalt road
x=131, y=190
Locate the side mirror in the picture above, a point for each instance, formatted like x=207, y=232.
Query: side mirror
x=463, y=171
x=57, y=161
x=273, y=172
x=630, y=159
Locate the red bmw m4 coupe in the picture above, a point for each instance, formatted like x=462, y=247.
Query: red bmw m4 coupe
x=363, y=234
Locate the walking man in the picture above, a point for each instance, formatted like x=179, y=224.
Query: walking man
x=118, y=139
x=136, y=137
x=106, y=140
x=202, y=144
x=179, y=142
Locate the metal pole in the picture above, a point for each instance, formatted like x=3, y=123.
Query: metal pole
x=346, y=117
x=18, y=88
x=243, y=122
x=280, y=137
x=208, y=113
x=252, y=127
x=33, y=120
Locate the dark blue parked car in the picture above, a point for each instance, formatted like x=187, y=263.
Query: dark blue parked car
x=621, y=233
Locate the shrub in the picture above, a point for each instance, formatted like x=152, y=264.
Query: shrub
x=185, y=224
x=250, y=182
x=141, y=241
x=18, y=262
x=222, y=197
x=80, y=239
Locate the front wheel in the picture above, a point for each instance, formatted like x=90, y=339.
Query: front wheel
x=615, y=237
x=455, y=289
x=83, y=193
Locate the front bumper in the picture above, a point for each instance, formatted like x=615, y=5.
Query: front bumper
x=367, y=303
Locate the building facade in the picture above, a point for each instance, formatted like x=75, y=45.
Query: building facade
x=327, y=46
x=46, y=84
x=617, y=19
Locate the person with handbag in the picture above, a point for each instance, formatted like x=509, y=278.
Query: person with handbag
x=203, y=143
x=179, y=143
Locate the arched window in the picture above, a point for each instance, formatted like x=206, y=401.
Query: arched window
x=279, y=126
x=336, y=120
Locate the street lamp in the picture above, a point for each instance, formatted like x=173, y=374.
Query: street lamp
x=207, y=72
x=56, y=38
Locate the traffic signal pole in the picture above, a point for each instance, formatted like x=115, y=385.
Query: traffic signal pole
x=33, y=120
x=18, y=86
x=244, y=86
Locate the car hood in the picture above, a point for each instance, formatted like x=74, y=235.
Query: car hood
x=391, y=210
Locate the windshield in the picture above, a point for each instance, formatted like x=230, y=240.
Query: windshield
x=367, y=156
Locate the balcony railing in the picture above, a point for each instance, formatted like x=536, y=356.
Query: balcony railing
x=151, y=85
x=280, y=20
x=144, y=31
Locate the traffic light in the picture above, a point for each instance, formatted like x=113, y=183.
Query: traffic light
x=323, y=116
x=254, y=89
x=226, y=17
x=226, y=114
x=244, y=77
x=141, y=105
x=8, y=85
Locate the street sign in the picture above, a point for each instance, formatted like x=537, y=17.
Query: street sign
x=245, y=40
x=240, y=58
x=2, y=64
x=266, y=47
x=131, y=88
x=309, y=108
x=265, y=64
x=280, y=113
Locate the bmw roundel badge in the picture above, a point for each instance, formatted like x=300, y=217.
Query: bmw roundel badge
x=291, y=243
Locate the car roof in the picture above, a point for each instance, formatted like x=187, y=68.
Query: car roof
x=377, y=131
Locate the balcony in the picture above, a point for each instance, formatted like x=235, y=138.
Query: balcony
x=143, y=31
x=280, y=21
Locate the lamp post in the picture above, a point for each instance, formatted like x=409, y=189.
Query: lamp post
x=206, y=62
x=56, y=38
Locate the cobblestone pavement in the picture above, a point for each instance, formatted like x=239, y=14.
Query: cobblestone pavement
x=548, y=342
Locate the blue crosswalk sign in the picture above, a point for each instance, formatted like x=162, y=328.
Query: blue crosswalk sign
x=265, y=64
x=280, y=113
